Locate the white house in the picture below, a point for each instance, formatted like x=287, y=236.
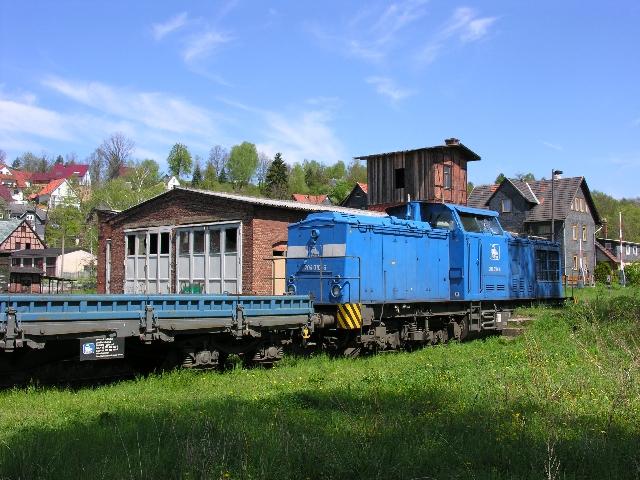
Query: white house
x=56, y=192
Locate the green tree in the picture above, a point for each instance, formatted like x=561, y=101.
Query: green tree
x=242, y=164
x=526, y=177
x=297, y=182
x=59, y=160
x=143, y=175
x=357, y=172
x=315, y=176
x=470, y=187
x=65, y=223
x=500, y=178
x=223, y=177
x=179, y=160
x=276, y=185
x=196, y=179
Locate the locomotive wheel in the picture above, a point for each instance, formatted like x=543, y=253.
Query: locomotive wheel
x=464, y=328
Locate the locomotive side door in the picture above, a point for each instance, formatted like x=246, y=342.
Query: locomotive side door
x=474, y=258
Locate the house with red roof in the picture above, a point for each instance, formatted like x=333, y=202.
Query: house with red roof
x=67, y=172
x=311, y=199
x=358, y=198
x=56, y=192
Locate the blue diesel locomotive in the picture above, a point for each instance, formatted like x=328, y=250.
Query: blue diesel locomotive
x=424, y=274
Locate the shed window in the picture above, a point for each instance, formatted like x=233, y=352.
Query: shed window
x=164, y=243
x=153, y=244
x=584, y=233
x=184, y=243
x=506, y=205
x=198, y=241
x=575, y=262
x=399, y=177
x=231, y=240
x=447, y=176
x=574, y=231
x=131, y=244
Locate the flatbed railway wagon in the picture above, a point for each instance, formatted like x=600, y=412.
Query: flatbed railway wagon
x=196, y=331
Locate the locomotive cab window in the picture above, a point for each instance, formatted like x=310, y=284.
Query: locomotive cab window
x=480, y=224
x=442, y=219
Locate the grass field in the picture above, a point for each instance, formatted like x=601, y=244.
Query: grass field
x=561, y=401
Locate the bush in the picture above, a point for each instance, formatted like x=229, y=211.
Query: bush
x=603, y=269
x=632, y=272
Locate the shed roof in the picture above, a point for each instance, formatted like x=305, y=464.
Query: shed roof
x=265, y=202
x=468, y=153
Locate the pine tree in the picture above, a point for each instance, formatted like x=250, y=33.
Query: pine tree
x=222, y=178
x=276, y=184
x=196, y=179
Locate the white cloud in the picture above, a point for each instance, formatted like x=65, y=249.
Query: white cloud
x=155, y=110
x=387, y=88
x=372, y=33
x=464, y=25
x=553, y=146
x=202, y=44
x=301, y=133
x=160, y=30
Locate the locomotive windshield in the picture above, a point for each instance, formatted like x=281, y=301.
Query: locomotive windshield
x=439, y=218
x=480, y=223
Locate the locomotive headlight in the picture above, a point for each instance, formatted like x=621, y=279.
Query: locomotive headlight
x=336, y=290
x=291, y=289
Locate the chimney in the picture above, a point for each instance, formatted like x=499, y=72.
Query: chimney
x=451, y=142
x=557, y=176
x=605, y=228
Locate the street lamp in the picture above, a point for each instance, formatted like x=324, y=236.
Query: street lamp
x=553, y=219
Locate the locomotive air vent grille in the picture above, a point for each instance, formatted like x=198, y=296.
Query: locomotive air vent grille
x=500, y=287
x=517, y=285
x=490, y=288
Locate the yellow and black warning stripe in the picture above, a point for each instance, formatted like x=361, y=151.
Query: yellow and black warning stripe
x=349, y=316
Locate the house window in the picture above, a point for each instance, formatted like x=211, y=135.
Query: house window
x=635, y=250
x=18, y=245
x=399, y=177
x=574, y=230
x=575, y=262
x=506, y=205
x=447, y=176
x=27, y=246
x=584, y=233
x=607, y=245
x=628, y=250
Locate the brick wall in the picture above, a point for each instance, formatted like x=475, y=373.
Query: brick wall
x=269, y=227
x=261, y=228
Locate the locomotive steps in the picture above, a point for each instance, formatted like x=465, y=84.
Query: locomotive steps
x=516, y=326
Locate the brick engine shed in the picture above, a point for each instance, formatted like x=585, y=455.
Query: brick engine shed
x=196, y=241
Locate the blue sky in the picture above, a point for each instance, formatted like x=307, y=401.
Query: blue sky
x=529, y=86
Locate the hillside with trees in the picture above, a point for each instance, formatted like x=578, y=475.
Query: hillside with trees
x=609, y=208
